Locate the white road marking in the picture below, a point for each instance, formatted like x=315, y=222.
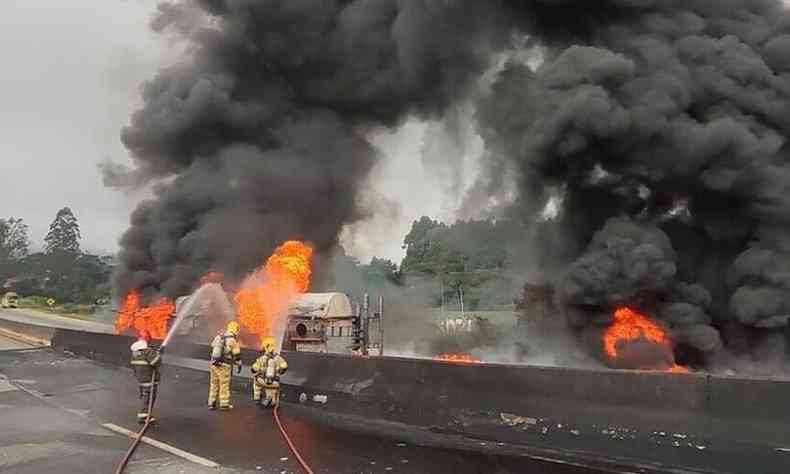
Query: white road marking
x=164, y=447
x=6, y=387
x=783, y=450
x=78, y=412
x=28, y=341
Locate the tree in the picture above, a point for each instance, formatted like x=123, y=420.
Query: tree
x=90, y=279
x=380, y=272
x=13, y=245
x=64, y=234
x=469, y=255
x=13, y=239
x=435, y=248
x=424, y=247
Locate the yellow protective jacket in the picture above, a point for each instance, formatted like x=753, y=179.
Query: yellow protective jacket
x=268, y=377
x=227, y=345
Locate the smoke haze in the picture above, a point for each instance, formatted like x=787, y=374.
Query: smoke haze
x=261, y=130
x=665, y=124
x=658, y=130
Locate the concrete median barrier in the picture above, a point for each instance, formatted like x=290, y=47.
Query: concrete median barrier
x=441, y=394
x=501, y=402
x=28, y=333
x=753, y=409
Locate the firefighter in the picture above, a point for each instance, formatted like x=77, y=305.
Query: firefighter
x=266, y=370
x=145, y=363
x=225, y=354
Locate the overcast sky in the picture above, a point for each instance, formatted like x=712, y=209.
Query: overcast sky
x=70, y=77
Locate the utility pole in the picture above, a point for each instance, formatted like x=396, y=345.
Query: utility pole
x=366, y=325
x=461, y=296
x=441, y=283
x=381, y=325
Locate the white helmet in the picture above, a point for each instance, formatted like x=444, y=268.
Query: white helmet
x=139, y=345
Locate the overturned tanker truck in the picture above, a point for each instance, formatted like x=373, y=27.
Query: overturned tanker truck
x=327, y=322
x=315, y=322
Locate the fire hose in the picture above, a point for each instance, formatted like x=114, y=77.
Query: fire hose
x=295, y=451
x=141, y=433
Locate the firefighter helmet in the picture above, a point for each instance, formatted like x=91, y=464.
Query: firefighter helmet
x=267, y=344
x=233, y=327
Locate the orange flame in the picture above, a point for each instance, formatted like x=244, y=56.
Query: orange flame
x=629, y=326
x=152, y=318
x=456, y=357
x=265, y=296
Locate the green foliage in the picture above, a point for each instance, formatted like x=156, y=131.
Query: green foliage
x=64, y=234
x=63, y=272
x=13, y=245
x=85, y=280
x=435, y=248
x=39, y=303
x=34, y=301
x=353, y=278
x=13, y=239
x=379, y=273
x=468, y=255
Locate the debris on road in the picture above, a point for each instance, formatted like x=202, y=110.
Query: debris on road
x=515, y=420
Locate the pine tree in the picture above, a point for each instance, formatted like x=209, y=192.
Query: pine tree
x=13, y=239
x=64, y=234
x=13, y=246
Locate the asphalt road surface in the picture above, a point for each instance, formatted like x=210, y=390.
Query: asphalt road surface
x=53, y=408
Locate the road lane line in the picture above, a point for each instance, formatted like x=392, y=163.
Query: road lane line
x=22, y=338
x=164, y=447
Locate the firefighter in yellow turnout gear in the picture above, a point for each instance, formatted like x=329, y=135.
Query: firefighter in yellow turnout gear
x=266, y=371
x=225, y=353
x=145, y=363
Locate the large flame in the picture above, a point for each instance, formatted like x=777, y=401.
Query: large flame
x=153, y=318
x=265, y=295
x=629, y=325
x=456, y=357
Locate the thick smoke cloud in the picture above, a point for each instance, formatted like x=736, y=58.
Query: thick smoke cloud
x=259, y=135
x=622, y=260
x=659, y=125
x=665, y=123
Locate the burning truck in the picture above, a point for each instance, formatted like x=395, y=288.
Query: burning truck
x=268, y=302
x=314, y=322
x=327, y=322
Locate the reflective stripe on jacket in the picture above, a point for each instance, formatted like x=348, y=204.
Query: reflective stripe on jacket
x=259, y=366
x=144, y=362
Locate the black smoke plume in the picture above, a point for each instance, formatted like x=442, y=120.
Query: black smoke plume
x=258, y=136
x=665, y=125
x=659, y=125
